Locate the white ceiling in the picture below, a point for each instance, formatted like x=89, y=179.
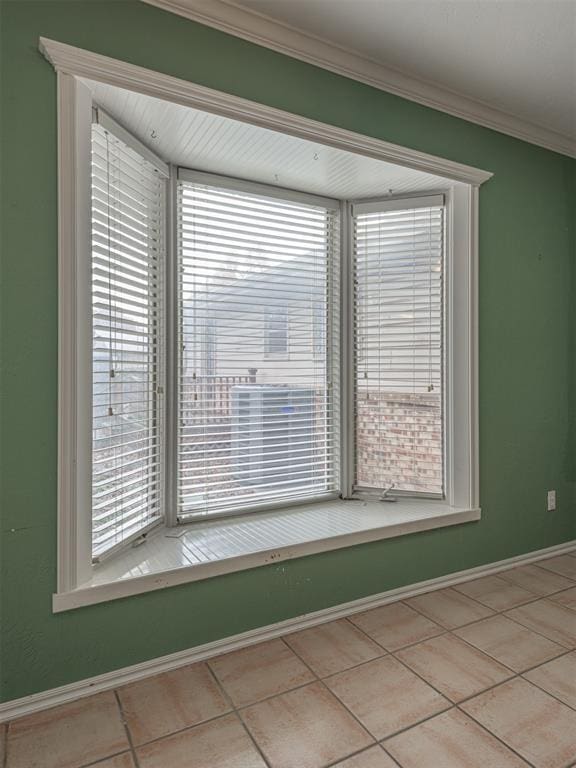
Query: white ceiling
x=518, y=56
x=207, y=142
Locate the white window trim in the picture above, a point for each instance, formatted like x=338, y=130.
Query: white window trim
x=71, y=63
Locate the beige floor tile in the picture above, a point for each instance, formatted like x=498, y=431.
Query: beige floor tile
x=530, y=721
x=454, y=667
x=306, y=728
x=375, y=757
x=259, y=671
x=496, y=593
x=160, y=705
x=64, y=737
x=451, y=740
x=330, y=648
x=124, y=760
x=558, y=677
x=550, y=619
x=396, y=625
x=510, y=643
x=562, y=564
x=566, y=598
x=535, y=579
x=221, y=743
x=385, y=696
x=449, y=608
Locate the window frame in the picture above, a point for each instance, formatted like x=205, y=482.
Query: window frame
x=102, y=118
x=460, y=323
x=74, y=117
x=388, y=203
x=183, y=174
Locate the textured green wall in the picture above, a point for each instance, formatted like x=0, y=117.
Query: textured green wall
x=527, y=263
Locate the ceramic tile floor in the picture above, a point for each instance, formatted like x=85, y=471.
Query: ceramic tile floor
x=481, y=675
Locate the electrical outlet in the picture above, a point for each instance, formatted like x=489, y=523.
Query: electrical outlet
x=551, y=501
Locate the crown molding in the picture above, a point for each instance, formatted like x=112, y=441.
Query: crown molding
x=283, y=38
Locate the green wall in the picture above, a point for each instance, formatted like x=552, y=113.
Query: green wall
x=527, y=368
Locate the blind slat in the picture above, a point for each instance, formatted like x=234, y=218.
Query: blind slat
x=398, y=347
x=127, y=252
x=257, y=326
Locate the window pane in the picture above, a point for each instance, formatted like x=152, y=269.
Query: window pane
x=398, y=280
x=276, y=330
x=127, y=252
x=257, y=405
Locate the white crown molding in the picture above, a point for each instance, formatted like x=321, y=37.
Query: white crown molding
x=265, y=31
x=69, y=60
x=45, y=699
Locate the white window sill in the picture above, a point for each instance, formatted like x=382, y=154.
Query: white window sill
x=202, y=550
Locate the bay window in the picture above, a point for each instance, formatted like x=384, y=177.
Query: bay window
x=232, y=347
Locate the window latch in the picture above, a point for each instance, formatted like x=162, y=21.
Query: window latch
x=385, y=495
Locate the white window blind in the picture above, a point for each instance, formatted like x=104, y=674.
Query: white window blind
x=128, y=213
x=258, y=402
x=398, y=330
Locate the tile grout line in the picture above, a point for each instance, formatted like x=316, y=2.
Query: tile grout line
x=456, y=705
x=565, y=652
x=435, y=621
x=502, y=612
x=444, y=631
x=102, y=760
x=495, y=736
x=358, y=754
x=473, y=719
x=320, y=680
x=453, y=705
x=400, y=661
x=537, y=632
x=126, y=728
x=323, y=684
x=391, y=756
x=386, y=653
x=545, y=571
x=237, y=714
x=179, y=731
x=537, y=685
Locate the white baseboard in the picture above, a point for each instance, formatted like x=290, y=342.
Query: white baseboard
x=46, y=699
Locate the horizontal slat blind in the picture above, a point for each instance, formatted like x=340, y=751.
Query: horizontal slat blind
x=259, y=342
x=128, y=213
x=398, y=283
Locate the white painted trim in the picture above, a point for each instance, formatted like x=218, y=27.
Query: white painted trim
x=39, y=701
x=461, y=321
x=75, y=334
x=283, y=38
x=81, y=63
x=431, y=515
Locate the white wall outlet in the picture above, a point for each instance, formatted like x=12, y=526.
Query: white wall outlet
x=551, y=501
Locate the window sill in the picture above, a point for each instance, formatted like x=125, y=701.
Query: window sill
x=197, y=551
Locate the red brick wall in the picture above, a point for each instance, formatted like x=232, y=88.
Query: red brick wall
x=399, y=441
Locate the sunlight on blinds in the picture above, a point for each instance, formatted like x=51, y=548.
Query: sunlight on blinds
x=258, y=402
x=398, y=283
x=128, y=199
